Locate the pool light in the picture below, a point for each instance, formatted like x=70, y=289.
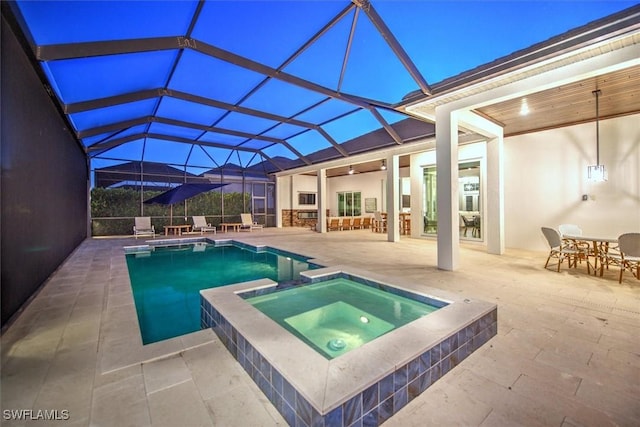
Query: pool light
x=364, y=319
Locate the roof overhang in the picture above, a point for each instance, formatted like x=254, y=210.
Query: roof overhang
x=611, y=46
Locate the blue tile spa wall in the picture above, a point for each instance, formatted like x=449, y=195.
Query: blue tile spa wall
x=369, y=407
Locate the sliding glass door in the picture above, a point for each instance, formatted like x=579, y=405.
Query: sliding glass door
x=349, y=203
x=430, y=207
x=469, y=200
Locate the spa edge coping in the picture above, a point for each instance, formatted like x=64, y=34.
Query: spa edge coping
x=326, y=384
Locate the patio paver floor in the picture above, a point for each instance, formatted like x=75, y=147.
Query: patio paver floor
x=567, y=351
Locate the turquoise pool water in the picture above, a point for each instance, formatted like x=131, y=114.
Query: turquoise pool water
x=339, y=315
x=166, y=281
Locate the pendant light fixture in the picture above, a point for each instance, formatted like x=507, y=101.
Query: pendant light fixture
x=597, y=172
x=350, y=170
x=383, y=165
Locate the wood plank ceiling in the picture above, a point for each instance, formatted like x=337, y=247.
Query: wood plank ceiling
x=570, y=104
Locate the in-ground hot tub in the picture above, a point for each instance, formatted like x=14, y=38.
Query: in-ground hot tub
x=367, y=384
x=339, y=315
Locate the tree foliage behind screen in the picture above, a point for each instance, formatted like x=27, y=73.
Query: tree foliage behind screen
x=112, y=210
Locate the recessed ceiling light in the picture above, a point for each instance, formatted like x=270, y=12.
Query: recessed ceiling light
x=524, y=107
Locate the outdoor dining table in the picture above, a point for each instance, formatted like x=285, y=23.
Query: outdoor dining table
x=600, y=248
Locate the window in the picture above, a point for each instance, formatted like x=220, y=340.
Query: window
x=349, y=203
x=306, y=198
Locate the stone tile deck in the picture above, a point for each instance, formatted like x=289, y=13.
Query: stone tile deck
x=567, y=351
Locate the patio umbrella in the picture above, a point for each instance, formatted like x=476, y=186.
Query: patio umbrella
x=181, y=193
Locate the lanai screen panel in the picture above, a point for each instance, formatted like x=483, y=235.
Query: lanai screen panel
x=283, y=83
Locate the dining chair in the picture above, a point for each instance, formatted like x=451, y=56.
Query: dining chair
x=366, y=222
x=357, y=223
x=468, y=224
x=627, y=257
x=557, y=250
x=333, y=224
x=379, y=223
x=476, y=226
x=579, y=245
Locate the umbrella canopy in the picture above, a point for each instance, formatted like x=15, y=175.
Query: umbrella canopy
x=182, y=193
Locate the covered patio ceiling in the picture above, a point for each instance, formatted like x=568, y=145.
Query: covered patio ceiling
x=273, y=85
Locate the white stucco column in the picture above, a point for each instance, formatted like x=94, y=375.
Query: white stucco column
x=322, y=201
x=417, y=197
x=447, y=186
x=281, y=184
x=495, y=196
x=393, y=194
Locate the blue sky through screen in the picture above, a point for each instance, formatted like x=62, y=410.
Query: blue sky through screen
x=443, y=39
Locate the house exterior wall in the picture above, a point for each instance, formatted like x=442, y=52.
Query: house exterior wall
x=370, y=185
x=546, y=177
x=545, y=180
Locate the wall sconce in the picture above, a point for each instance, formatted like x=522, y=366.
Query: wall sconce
x=383, y=165
x=350, y=170
x=597, y=172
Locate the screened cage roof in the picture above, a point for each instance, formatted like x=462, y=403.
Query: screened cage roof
x=265, y=85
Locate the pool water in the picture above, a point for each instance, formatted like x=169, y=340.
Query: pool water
x=339, y=315
x=166, y=281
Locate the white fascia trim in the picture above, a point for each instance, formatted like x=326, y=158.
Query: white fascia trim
x=543, y=75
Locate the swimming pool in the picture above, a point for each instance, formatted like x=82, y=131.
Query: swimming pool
x=166, y=279
x=364, y=386
x=339, y=315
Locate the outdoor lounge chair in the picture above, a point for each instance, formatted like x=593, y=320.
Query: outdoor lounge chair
x=248, y=224
x=200, y=224
x=143, y=227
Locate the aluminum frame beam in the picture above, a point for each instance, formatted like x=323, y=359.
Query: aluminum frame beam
x=394, y=44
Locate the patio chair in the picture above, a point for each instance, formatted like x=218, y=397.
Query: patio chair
x=557, y=250
x=476, y=226
x=468, y=224
x=628, y=255
x=248, y=224
x=142, y=227
x=379, y=223
x=333, y=224
x=366, y=222
x=580, y=245
x=200, y=224
x=347, y=224
x=357, y=223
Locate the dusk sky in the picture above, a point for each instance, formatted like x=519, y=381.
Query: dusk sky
x=443, y=38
